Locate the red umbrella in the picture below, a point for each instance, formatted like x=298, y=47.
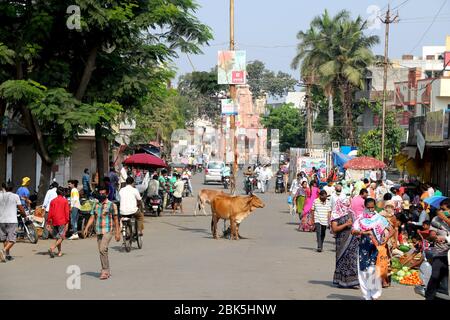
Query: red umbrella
x=364, y=163
x=145, y=159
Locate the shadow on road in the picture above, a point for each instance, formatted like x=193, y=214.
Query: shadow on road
x=342, y=297
x=195, y=230
x=323, y=282
x=91, y=274
x=308, y=248
x=292, y=223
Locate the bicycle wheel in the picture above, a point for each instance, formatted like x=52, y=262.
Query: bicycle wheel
x=128, y=239
x=136, y=233
x=31, y=233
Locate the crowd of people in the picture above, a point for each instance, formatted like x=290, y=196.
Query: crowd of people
x=369, y=219
x=122, y=194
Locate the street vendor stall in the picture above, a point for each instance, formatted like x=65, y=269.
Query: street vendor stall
x=358, y=168
x=145, y=161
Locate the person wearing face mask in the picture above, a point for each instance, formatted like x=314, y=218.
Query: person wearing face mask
x=337, y=195
x=106, y=227
x=58, y=220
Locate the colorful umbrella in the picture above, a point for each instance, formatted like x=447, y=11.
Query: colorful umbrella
x=144, y=159
x=435, y=201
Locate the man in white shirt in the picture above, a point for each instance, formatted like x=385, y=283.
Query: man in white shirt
x=130, y=202
x=321, y=211
x=373, y=176
x=49, y=196
x=338, y=194
x=178, y=188
x=123, y=176
x=9, y=203
x=329, y=189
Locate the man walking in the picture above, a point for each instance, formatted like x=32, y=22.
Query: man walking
x=49, y=196
x=123, y=176
x=178, y=194
x=130, y=202
x=9, y=203
x=75, y=208
x=86, y=182
x=106, y=227
x=321, y=211
x=58, y=217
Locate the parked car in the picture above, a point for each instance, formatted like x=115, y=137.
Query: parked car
x=213, y=172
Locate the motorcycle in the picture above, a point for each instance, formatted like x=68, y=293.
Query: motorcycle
x=155, y=205
x=26, y=228
x=249, y=185
x=186, y=190
x=279, y=184
x=226, y=182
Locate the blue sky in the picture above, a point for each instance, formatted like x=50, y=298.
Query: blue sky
x=267, y=29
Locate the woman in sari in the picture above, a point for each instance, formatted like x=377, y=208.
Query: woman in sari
x=346, y=273
x=311, y=196
x=371, y=228
x=300, y=199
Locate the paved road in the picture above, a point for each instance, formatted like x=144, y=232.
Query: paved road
x=180, y=260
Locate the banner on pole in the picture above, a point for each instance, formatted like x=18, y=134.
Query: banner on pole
x=229, y=107
x=231, y=67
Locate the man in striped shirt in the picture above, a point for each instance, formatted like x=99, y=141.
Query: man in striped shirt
x=321, y=211
x=106, y=227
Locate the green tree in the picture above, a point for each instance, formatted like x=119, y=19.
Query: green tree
x=370, y=142
x=288, y=120
x=117, y=58
x=335, y=53
x=263, y=81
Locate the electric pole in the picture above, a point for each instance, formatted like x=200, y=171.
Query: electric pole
x=309, y=131
x=233, y=98
x=387, y=21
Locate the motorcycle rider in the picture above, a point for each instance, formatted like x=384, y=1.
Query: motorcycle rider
x=226, y=172
x=187, y=175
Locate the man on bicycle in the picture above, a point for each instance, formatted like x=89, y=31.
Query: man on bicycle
x=106, y=227
x=131, y=203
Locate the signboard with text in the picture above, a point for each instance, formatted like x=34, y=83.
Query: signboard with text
x=231, y=67
x=229, y=107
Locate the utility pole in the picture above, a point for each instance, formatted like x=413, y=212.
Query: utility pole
x=309, y=131
x=387, y=21
x=233, y=98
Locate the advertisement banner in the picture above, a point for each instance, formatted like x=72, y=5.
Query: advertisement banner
x=231, y=67
x=229, y=107
x=306, y=164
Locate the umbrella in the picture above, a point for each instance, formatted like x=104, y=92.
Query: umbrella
x=145, y=159
x=364, y=163
x=435, y=201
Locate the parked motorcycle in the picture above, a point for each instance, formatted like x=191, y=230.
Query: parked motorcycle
x=279, y=184
x=26, y=228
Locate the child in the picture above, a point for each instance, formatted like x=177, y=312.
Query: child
x=58, y=218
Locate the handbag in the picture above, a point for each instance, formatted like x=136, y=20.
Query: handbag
x=289, y=200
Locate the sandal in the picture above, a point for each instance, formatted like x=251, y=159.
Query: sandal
x=50, y=252
x=104, y=276
x=59, y=254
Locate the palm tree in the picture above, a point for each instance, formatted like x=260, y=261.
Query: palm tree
x=335, y=53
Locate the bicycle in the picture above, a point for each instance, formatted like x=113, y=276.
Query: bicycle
x=130, y=232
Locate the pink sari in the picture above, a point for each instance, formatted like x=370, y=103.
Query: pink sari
x=305, y=225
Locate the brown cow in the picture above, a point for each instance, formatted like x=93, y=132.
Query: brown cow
x=233, y=208
x=206, y=196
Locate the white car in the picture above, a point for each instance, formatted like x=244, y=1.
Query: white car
x=213, y=172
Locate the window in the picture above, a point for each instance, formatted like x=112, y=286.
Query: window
x=215, y=165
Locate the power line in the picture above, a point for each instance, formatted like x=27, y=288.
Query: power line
x=429, y=27
x=401, y=4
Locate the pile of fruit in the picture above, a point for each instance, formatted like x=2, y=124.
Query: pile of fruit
x=407, y=277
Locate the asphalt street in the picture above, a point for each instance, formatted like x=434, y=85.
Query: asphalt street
x=181, y=260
